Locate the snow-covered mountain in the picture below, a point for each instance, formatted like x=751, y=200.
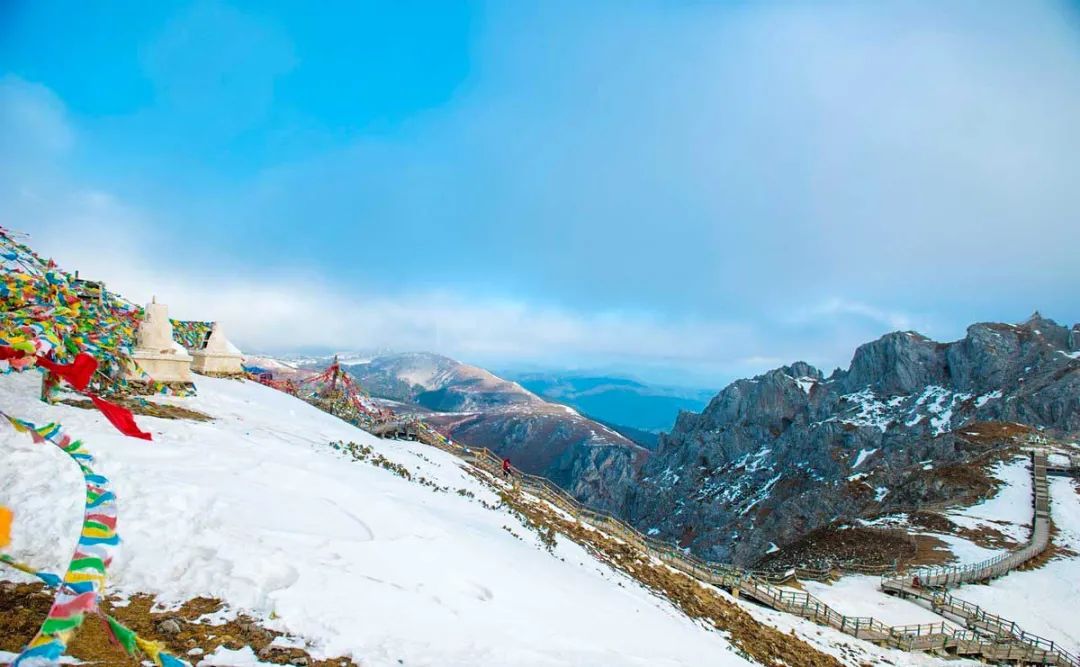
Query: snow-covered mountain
x=390, y=553
x=777, y=456
x=439, y=383
x=473, y=405
x=351, y=559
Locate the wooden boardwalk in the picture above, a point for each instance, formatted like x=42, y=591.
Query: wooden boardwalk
x=930, y=585
x=948, y=577
x=983, y=635
x=1071, y=468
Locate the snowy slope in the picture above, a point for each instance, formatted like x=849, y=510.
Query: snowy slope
x=1040, y=601
x=860, y=595
x=1043, y=601
x=254, y=508
x=1009, y=510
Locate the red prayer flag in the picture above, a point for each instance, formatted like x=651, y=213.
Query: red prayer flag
x=77, y=373
x=119, y=417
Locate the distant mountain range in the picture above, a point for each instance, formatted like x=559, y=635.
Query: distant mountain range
x=477, y=407
x=615, y=400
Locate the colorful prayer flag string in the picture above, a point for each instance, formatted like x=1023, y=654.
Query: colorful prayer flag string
x=45, y=311
x=192, y=334
x=131, y=642
x=76, y=331
x=85, y=575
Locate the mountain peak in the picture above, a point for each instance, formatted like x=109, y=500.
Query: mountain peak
x=801, y=369
x=898, y=362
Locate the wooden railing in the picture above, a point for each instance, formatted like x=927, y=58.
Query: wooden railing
x=988, y=637
x=929, y=584
x=951, y=576
x=1071, y=467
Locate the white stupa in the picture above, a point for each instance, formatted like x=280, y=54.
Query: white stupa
x=218, y=356
x=156, y=352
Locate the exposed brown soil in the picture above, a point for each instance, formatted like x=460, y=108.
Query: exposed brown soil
x=991, y=433
x=955, y=484
x=929, y=551
x=965, y=483
x=147, y=408
x=987, y=537
x=962, y=483
x=137, y=388
x=932, y=521
x=858, y=490
x=760, y=642
x=24, y=606
x=839, y=544
x=984, y=536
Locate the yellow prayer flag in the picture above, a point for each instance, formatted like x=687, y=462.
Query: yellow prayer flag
x=5, y=527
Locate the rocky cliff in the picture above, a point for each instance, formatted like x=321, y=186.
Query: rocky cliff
x=776, y=456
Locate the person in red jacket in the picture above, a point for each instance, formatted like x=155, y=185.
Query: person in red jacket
x=506, y=467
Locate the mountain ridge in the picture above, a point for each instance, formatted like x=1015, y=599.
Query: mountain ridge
x=473, y=405
x=773, y=457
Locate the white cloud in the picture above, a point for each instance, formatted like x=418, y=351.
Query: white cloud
x=88, y=229
x=274, y=309
x=280, y=311
x=839, y=307
x=893, y=168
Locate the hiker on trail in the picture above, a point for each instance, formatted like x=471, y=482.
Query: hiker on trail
x=506, y=467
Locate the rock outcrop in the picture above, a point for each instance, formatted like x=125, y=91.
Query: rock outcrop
x=776, y=456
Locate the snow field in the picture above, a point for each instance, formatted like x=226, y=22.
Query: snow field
x=1010, y=510
x=254, y=508
x=859, y=595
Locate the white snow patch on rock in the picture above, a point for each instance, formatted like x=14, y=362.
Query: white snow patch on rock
x=806, y=383
x=871, y=412
x=986, y=398
x=863, y=455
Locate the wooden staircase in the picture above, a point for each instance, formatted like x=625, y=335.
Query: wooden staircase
x=929, y=586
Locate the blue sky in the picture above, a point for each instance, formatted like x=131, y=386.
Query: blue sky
x=684, y=191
